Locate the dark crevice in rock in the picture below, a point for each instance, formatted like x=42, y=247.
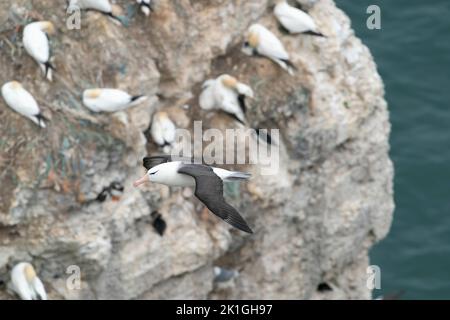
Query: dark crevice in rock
x=324, y=287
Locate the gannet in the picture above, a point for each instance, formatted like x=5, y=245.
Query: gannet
x=101, y=6
x=21, y=101
x=110, y=100
x=26, y=284
x=36, y=43
x=163, y=129
x=207, y=180
x=261, y=41
x=226, y=93
x=295, y=20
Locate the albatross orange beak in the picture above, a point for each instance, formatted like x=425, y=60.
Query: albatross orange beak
x=140, y=181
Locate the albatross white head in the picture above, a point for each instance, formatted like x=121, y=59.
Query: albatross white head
x=166, y=173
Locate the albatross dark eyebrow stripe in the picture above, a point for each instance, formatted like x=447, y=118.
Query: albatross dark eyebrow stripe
x=150, y=162
x=209, y=190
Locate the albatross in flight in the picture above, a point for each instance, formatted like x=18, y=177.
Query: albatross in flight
x=208, y=183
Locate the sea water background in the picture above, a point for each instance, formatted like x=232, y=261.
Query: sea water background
x=412, y=51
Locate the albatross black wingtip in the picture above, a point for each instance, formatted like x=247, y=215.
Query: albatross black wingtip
x=146, y=162
x=239, y=223
x=151, y=161
x=250, y=231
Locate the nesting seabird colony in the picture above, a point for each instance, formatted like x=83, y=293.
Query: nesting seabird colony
x=225, y=93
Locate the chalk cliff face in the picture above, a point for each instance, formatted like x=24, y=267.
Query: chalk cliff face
x=314, y=221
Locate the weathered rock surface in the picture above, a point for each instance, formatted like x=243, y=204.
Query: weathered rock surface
x=314, y=221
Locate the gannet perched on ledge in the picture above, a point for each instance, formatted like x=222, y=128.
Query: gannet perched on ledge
x=163, y=129
x=146, y=6
x=26, y=284
x=101, y=6
x=261, y=41
x=35, y=41
x=21, y=101
x=295, y=20
x=110, y=100
x=208, y=183
x=226, y=93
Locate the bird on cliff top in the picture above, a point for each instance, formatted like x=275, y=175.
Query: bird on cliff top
x=26, y=284
x=146, y=6
x=163, y=130
x=36, y=43
x=295, y=20
x=207, y=180
x=226, y=93
x=110, y=100
x=260, y=41
x=101, y=6
x=21, y=101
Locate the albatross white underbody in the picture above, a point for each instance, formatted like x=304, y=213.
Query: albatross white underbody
x=208, y=183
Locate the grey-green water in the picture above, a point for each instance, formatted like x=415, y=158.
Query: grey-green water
x=412, y=51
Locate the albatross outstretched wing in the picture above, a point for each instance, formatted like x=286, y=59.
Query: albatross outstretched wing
x=209, y=190
x=150, y=162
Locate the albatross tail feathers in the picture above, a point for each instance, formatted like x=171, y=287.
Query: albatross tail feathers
x=236, y=175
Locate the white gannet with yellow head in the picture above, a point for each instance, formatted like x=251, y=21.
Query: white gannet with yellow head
x=101, y=6
x=261, y=41
x=110, y=100
x=295, y=20
x=226, y=93
x=21, y=101
x=26, y=284
x=163, y=130
x=36, y=43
